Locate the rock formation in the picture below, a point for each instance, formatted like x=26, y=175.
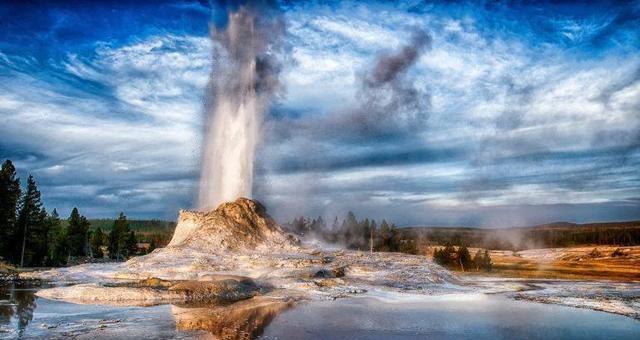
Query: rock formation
x=234, y=226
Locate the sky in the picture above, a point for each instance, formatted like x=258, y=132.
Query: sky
x=494, y=115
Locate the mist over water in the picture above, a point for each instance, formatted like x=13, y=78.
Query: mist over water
x=243, y=83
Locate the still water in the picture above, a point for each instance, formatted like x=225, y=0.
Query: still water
x=23, y=315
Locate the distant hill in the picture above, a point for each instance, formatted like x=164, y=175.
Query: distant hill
x=557, y=234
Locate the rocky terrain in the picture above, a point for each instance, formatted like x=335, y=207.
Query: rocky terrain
x=235, y=252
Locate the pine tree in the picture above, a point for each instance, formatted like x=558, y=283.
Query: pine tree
x=97, y=241
x=486, y=264
x=132, y=244
x=335, y=229
x=464, y=258
x=365, y=231
x=77, y=234
x=395, y=240
x=442, y=256
x=153, y=244
x=30, y=223
x=58, y=243
x=335, y=226
x=478, y=260
x=39, y=240
x=9, y=198
x=118, y=238
x=385, y=236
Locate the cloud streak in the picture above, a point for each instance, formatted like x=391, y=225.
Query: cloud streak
x=425, y=114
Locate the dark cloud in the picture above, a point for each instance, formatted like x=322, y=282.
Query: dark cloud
x=389, y=102
x=336, y=161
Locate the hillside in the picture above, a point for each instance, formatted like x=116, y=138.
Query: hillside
x=560, y=234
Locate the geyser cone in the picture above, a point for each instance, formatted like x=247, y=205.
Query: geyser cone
x=234, y=226
x=243, y=82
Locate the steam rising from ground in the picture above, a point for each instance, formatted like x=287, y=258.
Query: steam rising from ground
x=243, y=82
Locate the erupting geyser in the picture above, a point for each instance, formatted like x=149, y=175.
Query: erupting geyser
x=243, y=82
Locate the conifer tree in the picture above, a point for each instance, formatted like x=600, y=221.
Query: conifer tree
x=478, y=260
x=464, y=258
x=31, y=224
x=365, y=231
x=38, y=239
x=97, y=241
x=77, y=234
x=385, y=236
x=9, y=198
x=132, y=244
x=444, y=256
x=118, y=238
x=58, y=243
x=437, y=257
x=153, y=244
x=486, y=264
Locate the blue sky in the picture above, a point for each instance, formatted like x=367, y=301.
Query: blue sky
x=513, y=115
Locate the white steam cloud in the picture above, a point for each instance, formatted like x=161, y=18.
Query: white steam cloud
x=244, y=81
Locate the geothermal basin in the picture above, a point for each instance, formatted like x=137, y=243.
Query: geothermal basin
x=234, y=273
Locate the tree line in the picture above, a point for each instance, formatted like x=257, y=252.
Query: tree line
x=352, y=233
x=461, y=259
x=365, y=234
x=30, y=236
x=546, y=236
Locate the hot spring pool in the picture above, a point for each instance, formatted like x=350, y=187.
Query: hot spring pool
x=473, y=316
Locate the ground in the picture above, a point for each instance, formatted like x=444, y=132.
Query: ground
x=580, y=263
x=317, y=274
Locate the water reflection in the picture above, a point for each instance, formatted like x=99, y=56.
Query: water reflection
x=17, y=303
x=242, y=320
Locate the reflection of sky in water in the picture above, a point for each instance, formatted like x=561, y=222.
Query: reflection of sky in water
x=474, y=316
x=479, y=317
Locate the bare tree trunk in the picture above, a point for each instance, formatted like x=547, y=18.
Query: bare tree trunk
x=24, y=243
x=371, y=242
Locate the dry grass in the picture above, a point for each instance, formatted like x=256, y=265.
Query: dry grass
x=567, y=263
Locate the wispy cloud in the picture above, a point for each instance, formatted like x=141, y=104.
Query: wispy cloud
x=515, y=115
x=123, y=124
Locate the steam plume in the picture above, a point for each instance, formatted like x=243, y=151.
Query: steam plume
x=388, y=100
x=243, y=83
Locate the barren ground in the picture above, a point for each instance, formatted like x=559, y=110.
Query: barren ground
x=580, y=263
